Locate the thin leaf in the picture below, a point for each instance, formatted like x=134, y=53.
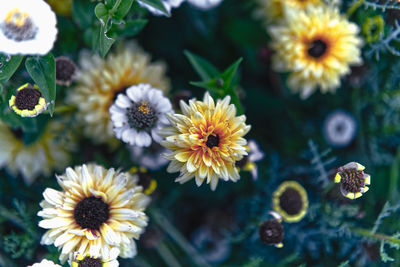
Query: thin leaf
x=204, y=68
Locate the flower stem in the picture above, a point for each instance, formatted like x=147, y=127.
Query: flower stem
x=394, y=176
x=376, y=236
x=167, y=255
x=115, y=7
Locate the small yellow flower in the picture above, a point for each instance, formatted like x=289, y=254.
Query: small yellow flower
x=205, y=141
x=28, y=102
x=79, y=260
x=290, y=201
x=353, y=181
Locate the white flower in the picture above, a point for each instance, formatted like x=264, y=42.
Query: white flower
x=149, y=157
x=168, y=4
x=139, y=114
x=45, y=263
x=339, y=128
x=26, y=27
x=205, y=4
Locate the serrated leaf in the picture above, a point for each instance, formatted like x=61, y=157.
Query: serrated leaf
x=157, y=4
x=204, y=68
x=8, y=66
x=43, y=72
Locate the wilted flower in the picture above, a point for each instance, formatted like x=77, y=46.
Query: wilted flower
x=206, y=141
x=340, y=128
x=79, y=260
x=28, y=102
x=66, y=71
x=45, y=263
x=98, y=210
x=247, y=163
x=272, y=232
x=139, y=114
x=290, y=201
x=353, y=181
x=317, y=46
x=26, y=27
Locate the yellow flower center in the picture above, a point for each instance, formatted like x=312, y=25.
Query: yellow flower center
x=144, y=108
x=16, y=17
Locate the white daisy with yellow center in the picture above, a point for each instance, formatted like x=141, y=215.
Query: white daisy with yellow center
x=28, y=102
x=317, y=46
x=26, y=27
x=96, y=212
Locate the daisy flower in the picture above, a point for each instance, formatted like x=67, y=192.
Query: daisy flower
x=353, y=181
x=96, y=212
x=139, y=114
x=168, y=4
x=40, y=155
x=340, y=128
x=28, y=102
x=26, y=27
x=79, y=260
x=290, y=201
x=317, y=46
x=206, y=141
x=247, y=163
x=45, y=263
x=205, y=4
x=100, y=80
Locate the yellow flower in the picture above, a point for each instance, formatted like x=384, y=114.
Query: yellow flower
x=38, y=156
x=61, y=7
x=353, y=181
x=100, y=80
x=206, y=141
x=97, y=212
x=28, y=102
x=290, y=201
x=317, y=46
x=272, y=10
x=79, y=260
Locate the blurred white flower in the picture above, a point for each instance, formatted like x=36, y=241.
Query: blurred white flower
x=45, y=263
x=340, y=128
x=205, y=4
x=168, y=4
x=149, y=157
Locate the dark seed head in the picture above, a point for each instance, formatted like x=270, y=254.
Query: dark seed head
x=141, y=115
x=317, y=48
x=352, y=180
x=271, y=232
x=65, y=70
x=290, y=201
x=90, y=262
x=212, y=141
x=91, y=213
x=27, y=98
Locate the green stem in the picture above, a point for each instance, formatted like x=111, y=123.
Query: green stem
x=376, y=236
x=115, y=7
x=354, y=7
x=168, y=228
x=394, y=177
x=167, y=255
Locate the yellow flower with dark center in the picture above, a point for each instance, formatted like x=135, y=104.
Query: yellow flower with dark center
x=317, y=46
x=97, y=212
x=100, y=80
x=206, y=141
x=28, y=102
x=353, y=181
x=79, y=260
x=290, y=201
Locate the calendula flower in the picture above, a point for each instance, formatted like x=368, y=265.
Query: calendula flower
x=79, y=260
x=317, y=46
x=100, y=80
x=247, y=163
x=271, y=232
x=96, y=211
x=353, y=181
x=290, y=201
x=66, y=71
x=340, y=128
x=206, y=141
x=168, y=4
x=273, y=10
x=373, y=28
x=145, y=180
x=45, y=263
x=61, y=7
x=28, y=102
x=149, y=157
x=139, y=114
x=205, y=4
x=26, y=27
x=33, y=155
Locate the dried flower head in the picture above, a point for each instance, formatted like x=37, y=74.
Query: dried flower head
x=272, y=232
x=66, y=71
x=353, y=181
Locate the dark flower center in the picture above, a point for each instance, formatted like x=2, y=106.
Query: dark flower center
x=144, y=179
x=317, y=48
x=290, y=201
x=141, y=115
x=90, y=262
x=27, y=98
x=241, y=163
x=91, y=213
x=212, y=141
x=65, y=70
x=18, y=26
x=352, y=180
x=271, y=232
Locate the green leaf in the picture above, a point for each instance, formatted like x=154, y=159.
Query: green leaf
x=82, y=13
x=128, y=28
x=204, y=68
x=102, y=43
x=101, y=12
x=43, y=72
x=123, y=9
x=157, y=4
x=8, y=66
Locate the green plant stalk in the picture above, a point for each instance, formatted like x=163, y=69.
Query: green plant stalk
x=376, y=236
x=115, y=7
x=394, y=178
x=354, y=7
x=167, y=255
